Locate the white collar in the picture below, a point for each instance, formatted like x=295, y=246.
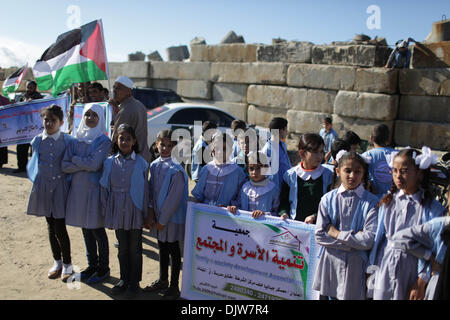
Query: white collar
x=417, y=197
x=221, y=169
x=306, y=175
x=54, y=136
x=131, y=156
x=359, y=191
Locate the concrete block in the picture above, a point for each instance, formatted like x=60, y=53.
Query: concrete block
x=229, y=92
x=321, y=76
x=291, y=52
x=305, y=121
x=257, y=72
x=138, y=56
x=154, y=56
x=180, y=70
x=362, y=127
x=365, y=105
x=424, y=108
x=178, y=53
x=194, y=89
x=267, y=96
x=232, y=37
x=376, y=80
x=424, y=81
x=351, y=55
x=261, y=116
x=237, y=52
x=164, y=84
x=131, y=69
x=417, y=134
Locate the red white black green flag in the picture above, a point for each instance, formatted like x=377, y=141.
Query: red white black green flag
x=77, y=56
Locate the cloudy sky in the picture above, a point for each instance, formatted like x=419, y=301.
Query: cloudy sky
x=29, y=27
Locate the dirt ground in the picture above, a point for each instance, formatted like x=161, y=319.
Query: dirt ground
x=25, y=254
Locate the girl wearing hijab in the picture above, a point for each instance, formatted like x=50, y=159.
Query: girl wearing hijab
x=85, y=163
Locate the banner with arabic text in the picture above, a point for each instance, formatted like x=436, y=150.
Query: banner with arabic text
x=21, y=122
x=237, y=257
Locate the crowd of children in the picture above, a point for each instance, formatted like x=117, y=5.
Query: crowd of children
x=373, y=212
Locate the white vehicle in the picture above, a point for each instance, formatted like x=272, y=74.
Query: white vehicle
x=183, y=115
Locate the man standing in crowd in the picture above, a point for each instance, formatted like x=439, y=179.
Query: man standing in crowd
x=22, y=149
x=131, y=111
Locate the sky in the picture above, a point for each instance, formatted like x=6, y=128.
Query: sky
x=29, y=27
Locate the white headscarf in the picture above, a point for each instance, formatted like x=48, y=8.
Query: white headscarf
x=86, y=134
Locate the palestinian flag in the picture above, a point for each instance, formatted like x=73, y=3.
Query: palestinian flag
x=12, y=83
x=77, y=56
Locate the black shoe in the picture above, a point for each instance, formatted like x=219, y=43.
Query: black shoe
x=116, y=244
x=172, y=293
x=98, y=276
x=87, y=273
x=132, y=291
x=119, y=288
x=19, y=170
x=158, y=285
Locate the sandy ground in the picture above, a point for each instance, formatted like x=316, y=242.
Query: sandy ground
x=25, y=254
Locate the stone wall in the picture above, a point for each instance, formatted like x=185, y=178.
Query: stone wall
x=304, y=83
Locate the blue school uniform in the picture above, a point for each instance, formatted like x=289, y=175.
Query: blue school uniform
x=380, y=174
x=50, y=184
x=168, y=197
x=284, y=163
x=197, y=158
x=219, y=184
x=290, y=177
x=328, y=138
x=398, y=270
x=124, y=191
x=341, y=270
x=262, y=196
x=85, y=164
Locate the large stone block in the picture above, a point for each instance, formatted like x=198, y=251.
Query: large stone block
x=424, y=81
x=297, y=98
x=194, y=89
x=304, y=121
x=321, y=76
x=362, y=127
x=351, y=55
x=224, y=53
x=376, y=80
x=230, y=92
x=424, y=108
x=178, y=53
x=130, y=69
x=180, y=70
x=261, y=116
x=291, y=52
x=267, y=96
x=256, y=72
x=164, y=84
x=417, y=134
x=365, y=105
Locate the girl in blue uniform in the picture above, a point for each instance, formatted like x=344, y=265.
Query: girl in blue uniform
x=124, y=197
x=221, y=179
x=260, y=195
x=167, y=213
x=84, y=209
x=408, y=203
x=346, y=227
x=51, y=186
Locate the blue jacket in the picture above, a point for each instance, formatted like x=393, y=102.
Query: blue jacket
x=138, y=179
x=230, y=188
x=33, y=164
x=379, y=171
x=179, y=217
